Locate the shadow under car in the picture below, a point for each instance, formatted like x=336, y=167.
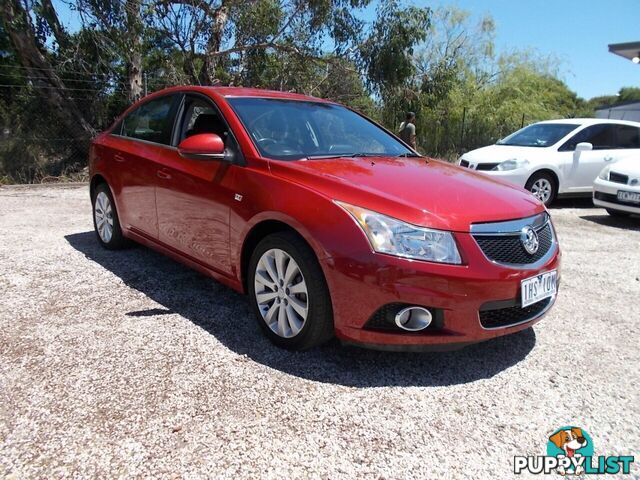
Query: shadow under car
x=226, y=315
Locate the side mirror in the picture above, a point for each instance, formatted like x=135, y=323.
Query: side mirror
x=202, y=146
x=584, y=147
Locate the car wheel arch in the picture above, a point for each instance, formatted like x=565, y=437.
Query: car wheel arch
x=96, y=180
x=256, y=233
x=555, y=176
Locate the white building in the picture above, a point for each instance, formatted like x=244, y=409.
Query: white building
x=621, y=111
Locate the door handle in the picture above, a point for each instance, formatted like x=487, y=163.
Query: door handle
x=608, y=159
x=164, y=175
x=119, y=158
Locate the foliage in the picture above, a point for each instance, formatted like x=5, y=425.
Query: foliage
x=437, y=63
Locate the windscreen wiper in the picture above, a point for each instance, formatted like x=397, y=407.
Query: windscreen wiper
x=344, y=155
x=409, y=155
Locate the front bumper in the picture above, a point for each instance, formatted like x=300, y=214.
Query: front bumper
x=610, y=191
x=361, y=285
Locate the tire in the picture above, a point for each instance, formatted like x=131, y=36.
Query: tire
x=543, y=186
x=618, y=213
x=279, y=310
x=105, y=219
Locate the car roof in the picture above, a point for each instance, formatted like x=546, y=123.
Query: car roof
x=235, y=92
x=591, y=121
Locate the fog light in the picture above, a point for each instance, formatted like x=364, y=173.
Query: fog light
x=413, y=319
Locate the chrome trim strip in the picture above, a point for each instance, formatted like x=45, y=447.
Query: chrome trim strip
x=510, y=227
x=536, y=316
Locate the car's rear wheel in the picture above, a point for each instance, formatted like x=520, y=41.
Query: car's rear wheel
x=618, y=213
x=288, y=292
x=543, y=186
x=105, y=219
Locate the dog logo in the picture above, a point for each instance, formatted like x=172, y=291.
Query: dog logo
x=570, y=452
x=572, y=442
x=529, y=239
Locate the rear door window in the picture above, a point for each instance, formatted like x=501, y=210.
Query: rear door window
x=627, y=136
x=152, y=121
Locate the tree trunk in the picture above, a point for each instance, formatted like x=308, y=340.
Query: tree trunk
x=219, y=21
x=49, y=14
x=134, y=45
x=39, y=70
x=134, y=73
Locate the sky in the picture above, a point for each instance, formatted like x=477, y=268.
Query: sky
x=577, y=32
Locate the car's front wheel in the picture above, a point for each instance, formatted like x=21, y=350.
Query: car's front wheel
x=288, y=292
x=543, y=186
x=105, y=219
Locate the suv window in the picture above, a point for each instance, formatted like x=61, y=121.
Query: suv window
x=152, y=121
x=600, y=136
x=627, y=136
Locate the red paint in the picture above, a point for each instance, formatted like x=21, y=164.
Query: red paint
x=202, y=143
x=189, y=210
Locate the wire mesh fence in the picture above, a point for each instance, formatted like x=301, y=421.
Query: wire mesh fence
x=35, y=145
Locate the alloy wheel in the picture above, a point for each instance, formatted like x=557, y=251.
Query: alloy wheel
x=281, y=293
x=542, y=189
x=103, y=213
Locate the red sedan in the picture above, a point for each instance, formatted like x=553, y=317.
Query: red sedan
x=330, y=223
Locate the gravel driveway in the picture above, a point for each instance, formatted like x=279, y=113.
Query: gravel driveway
x=126, y=364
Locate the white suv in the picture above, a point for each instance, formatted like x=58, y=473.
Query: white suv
x=557, y=157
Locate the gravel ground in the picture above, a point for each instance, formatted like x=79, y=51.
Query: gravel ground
x=126, y=364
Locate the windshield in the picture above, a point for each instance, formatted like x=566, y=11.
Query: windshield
x=538, y=135
x=292, y=129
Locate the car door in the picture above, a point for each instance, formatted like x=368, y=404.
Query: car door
x=136, y=144
x=627, y=142
x=580, y=168
x=193, y=197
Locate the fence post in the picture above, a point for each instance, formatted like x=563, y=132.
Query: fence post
x=464, y=116
x=522, y=124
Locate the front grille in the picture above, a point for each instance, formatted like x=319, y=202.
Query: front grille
x=503, y=317
x=464, y=163
x=618, y=178
x=486, y=166
x=509, y=249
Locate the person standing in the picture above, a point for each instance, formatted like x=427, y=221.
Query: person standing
x=407, y=130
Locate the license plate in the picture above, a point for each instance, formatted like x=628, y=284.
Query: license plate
x=631, y=197
x=538, y=288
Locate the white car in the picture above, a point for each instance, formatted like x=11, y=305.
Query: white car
x=617, y=188
x=557, y=157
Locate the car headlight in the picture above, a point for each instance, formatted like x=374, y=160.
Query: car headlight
x=511, y=165
x=395, y=237
x=604, y=173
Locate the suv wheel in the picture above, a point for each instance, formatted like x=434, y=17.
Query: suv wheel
x=105, y=219
x=543, y=186
x=288, y=292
